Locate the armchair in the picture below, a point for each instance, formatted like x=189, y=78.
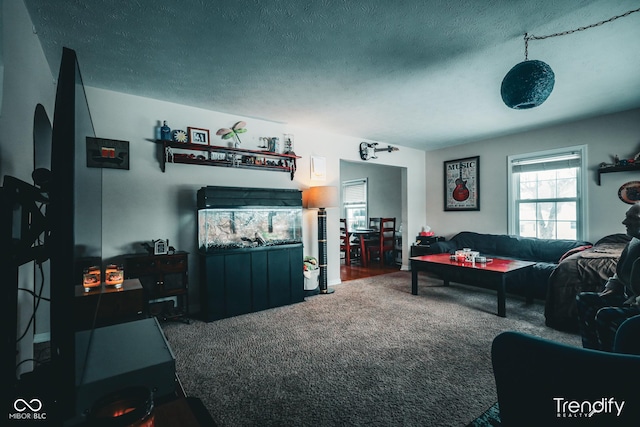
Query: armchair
x=544, y=383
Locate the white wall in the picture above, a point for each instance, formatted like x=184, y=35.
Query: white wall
x=605, y=137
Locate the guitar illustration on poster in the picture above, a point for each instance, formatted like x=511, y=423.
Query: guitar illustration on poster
x=461, y=192
x=461, y=181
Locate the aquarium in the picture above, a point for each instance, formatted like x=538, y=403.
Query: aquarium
x=224, y=228
x=239, y=217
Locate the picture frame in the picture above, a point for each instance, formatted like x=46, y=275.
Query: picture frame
x=107, y=153
x=462, y=184
x=160, y=247
x=198, y=136
x=318, y=168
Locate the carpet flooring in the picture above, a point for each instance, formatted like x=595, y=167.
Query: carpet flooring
x=370, y=354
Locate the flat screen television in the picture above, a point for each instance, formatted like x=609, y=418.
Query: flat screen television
x=71, y=225
x=75, y=199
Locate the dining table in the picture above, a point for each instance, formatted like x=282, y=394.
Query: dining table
x=363, y=235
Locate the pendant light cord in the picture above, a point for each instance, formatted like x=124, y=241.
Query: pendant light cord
x=528, y=37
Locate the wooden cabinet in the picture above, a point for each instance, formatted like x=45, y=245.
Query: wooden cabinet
x=422, y=246
x=242, y=281
x=165, y=278
x=212, y=155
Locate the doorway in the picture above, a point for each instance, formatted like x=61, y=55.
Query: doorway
x=386, y=196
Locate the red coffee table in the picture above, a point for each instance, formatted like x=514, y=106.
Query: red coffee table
x=493, y=274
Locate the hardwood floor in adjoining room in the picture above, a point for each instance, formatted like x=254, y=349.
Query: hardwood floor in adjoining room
x=356, y=271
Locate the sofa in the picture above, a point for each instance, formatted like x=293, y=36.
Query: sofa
x=530, y=283
x=582, y=271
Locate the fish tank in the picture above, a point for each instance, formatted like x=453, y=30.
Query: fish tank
x=248, y=227
x=234, y=218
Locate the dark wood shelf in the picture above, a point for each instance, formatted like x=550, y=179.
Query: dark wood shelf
x=196, y=154
x=626, y=168
x=162, y=276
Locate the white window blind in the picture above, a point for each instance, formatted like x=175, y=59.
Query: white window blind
x=354, y=192
x=564, y=161
x=354, y=203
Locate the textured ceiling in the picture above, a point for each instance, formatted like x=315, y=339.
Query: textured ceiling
x=423, y=74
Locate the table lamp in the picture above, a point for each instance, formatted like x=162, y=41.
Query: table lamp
x=320, y=198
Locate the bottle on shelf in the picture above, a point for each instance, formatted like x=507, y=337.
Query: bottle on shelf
x=288, y=143
x=165, y=132
x=274, y=144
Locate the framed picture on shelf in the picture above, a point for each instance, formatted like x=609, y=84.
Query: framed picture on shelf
x=198, y=136
x=462, y=184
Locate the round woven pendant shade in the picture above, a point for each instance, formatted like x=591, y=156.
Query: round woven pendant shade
x=527, y=85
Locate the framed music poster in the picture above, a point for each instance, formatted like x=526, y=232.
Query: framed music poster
x=462, y=184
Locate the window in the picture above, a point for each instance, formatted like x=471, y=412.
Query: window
x=546, y=197
x=354, y=203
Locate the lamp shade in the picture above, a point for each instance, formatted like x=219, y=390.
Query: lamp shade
x=322, y=197
x=527, y=85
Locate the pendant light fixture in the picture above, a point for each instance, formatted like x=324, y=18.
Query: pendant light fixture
x=529, y=83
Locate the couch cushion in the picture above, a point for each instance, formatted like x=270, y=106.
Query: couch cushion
x=552, y=250
x=483, y=243
x=516, y=247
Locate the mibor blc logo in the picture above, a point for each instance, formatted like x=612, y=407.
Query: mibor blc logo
x=586, y=409
x=28, y=410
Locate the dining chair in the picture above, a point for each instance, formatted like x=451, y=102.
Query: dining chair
x=385, y=241
x=374, y=223
x=351, y=249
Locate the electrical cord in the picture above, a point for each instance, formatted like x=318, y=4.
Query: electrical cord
x=38, y=297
